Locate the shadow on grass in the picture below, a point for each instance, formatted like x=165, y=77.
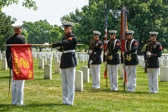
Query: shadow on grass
x=119, y=91
x=30, y=105
x=5, y=77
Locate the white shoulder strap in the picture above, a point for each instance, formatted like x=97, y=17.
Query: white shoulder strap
x=114, y=43
x=125, y=45
x=131, y=43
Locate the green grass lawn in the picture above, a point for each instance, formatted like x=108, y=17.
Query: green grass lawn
x=49, y=95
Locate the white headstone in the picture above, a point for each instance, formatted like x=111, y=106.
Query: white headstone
x=0, y=57
x=56, y=58
x=165, y=62
x=41, y=63
x=49, y=61
x=121, y=70
x=82, y=59
x=160, y=61
x=85, y=71
x=79, y=81
x=4, y=64
x=57, y=67
x=47, y=72
x=164, y=74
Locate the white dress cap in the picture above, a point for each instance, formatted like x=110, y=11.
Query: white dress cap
x=130, y=32
x=17, y=25
x=68, y=23
x=153, y=33
x=96, y=32
x=112, y=31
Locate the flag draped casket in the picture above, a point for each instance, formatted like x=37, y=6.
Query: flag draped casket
x=22, y=62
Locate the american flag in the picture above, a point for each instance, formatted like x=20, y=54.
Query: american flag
x=105, y=40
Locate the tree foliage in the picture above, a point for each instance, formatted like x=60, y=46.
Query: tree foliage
x=5, y=29
x=26, y=3
x=143, y=16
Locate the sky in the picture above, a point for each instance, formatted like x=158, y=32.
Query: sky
x=51, y=10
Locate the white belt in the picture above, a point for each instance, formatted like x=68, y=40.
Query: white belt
x=68, y=51
x=94, y=52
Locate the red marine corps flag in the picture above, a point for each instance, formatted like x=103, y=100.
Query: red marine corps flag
x=123, y=29
x=22, y=61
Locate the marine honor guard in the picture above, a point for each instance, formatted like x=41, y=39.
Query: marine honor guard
x=17, y=85
x=131, y=60
x=95, y=51
x=113, y=59
x=68, y=63
x=152, y=52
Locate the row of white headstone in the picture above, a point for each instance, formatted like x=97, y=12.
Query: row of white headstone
x=46, y=57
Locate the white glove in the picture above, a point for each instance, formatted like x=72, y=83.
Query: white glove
x=46, y=45
x=90, y=62
x=123, y=53
x=105, y=63
x=90, y=51
x=148, y=53
x=106, y=53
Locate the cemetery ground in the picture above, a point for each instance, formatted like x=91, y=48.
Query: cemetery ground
x=49, y=95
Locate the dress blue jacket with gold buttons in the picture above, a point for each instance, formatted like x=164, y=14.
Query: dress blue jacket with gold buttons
x=155, y=48
x=95, y=56
x=113, y=56
x=68, y=43
x=131, y=47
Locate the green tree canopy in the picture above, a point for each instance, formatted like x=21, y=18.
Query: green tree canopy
x=5, y=29
x=26, y=3
x=143, y=16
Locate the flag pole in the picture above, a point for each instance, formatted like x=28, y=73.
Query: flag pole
x=123, y=28
x=32, y=44
x=105, y=46
x=9, y=81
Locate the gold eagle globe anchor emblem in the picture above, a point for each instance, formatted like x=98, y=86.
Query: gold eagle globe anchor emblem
x=128, y=57
x=110, y=57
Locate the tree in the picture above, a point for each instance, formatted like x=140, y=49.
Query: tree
x=38, y=32
x=5, y=29
x=143, y=16
x=27, y=3
x=56, y=34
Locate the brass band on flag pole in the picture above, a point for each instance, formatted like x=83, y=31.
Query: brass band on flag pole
x=123, y=29
x=105, y=46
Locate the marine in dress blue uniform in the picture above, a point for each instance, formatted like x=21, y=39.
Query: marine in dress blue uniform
x=17, y=85
x=152, y=52
x=95, y=59
x=68, y=63
x=113, y=59
x=131, y=60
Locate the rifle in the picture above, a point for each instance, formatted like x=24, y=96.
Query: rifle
x=147, y=61
x=90, y=53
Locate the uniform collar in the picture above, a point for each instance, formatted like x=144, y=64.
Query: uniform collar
x=112, y=39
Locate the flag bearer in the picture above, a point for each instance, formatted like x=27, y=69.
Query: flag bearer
x=113, y=59
x=131, y=60
x=152, y=52
x=17, y=85
x=95, y=59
